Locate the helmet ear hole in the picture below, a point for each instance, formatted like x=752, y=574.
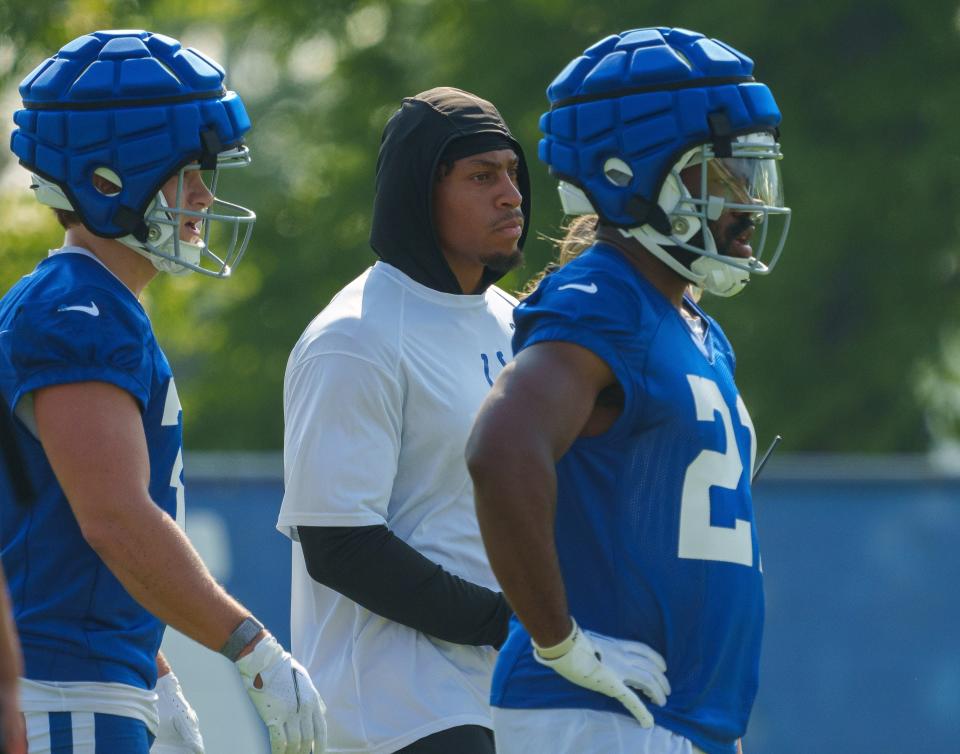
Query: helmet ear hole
x=106, y=181
x=618, y=172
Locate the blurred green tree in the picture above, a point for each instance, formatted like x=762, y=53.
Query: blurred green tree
x=851, y=345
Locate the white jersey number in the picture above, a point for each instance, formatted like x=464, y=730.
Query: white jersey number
x=700, y=540
x=171, y=416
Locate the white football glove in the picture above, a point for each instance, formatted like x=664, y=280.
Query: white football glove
x=286, y=699
x=179, y=731
x=609, y=665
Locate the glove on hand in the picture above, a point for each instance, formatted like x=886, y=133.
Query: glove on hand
x=285, y=699
x=179, y=731
x=609, y=665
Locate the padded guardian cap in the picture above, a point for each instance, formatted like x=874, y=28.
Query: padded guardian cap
x=637, y=109
x=135, y=108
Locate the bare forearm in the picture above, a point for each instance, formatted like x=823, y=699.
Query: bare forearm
x=92, y=433
x=515, y=508
x=157, y=565
x=163, y=667
x=536, y=409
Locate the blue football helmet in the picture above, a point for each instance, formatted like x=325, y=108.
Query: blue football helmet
x=113, y=117
x=665, y=135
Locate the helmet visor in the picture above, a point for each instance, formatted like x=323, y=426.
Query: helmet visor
x=751, y=175
x=737, y=198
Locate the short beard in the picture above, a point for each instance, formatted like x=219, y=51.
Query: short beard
x=503, y=262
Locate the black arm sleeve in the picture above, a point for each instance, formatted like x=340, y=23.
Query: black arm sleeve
x=377, y=569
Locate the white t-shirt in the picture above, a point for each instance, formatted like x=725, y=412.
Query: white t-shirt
x=380, y=395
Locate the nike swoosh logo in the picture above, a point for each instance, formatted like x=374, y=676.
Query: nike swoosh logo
x=92, y=310
x=592, y=288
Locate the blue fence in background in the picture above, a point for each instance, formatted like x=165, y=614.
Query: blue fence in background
x=862, y=640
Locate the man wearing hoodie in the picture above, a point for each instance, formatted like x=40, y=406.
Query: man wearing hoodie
x=395, y=610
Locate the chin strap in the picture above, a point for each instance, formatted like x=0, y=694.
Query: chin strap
x=707, y=273
x=128, y=220
x=147, y=239
x=160, y=241
x=720, y=279
x=662, y=237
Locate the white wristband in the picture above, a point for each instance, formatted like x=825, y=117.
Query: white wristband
x=558, y=650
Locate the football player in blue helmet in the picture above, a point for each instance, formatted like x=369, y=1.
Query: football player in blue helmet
x=115, y=128
x=674, y=145
x=612, y=459
x=119, y=129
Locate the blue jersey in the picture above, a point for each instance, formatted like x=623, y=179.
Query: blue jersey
x=71, y=320
x=654, y=525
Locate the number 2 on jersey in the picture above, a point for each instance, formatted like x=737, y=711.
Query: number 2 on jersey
x=699, y=539
x=171, y=417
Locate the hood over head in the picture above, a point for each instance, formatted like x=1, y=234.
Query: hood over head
x=442, y=123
